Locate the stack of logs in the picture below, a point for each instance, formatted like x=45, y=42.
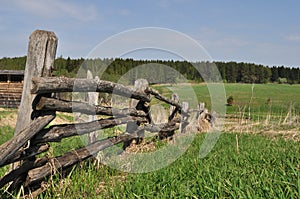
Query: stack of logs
x=10, y=94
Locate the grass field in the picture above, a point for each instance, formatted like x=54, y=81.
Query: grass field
x=281, y=95
x=257, y=108
x=261, y=167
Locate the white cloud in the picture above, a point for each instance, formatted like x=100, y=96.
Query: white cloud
x=57, y=8
x=293, y=37
x=220, y=41
x=125, y=12
x=163, y=4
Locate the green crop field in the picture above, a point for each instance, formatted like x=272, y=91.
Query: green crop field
x=281, y=95
x=260, y=166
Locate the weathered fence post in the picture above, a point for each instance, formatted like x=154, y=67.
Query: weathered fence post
x=172, y=114
x=184, y=117
x=92, y=100
x=173, y=110
x=40, y=60
x=139, y=85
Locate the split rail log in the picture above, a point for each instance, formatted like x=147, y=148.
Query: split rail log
x=51, y=104
x=9, y=148
x=71, y=158
x=158, y=96
x=57, y=132
x=22, y=154
x=23, y=168
x=62, y=84
x=171, y=126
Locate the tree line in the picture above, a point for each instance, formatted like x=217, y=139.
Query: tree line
x=166, y=71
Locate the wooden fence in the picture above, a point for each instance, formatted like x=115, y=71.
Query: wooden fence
x=38, y=109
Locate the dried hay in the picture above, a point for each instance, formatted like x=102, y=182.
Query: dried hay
x=142, y=147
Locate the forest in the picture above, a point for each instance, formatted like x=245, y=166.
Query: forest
x=166, y=71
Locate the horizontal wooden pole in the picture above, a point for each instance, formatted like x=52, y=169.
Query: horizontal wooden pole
x=165, y=127
x=63, y=84
x=158, y=96
x=71, y=158
x=22, y=154
x=23, y=168
x=52, y=104
x=58, y=132
x=9, y=148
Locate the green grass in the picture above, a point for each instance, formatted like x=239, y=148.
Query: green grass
x=6, y=132
x=263, y=168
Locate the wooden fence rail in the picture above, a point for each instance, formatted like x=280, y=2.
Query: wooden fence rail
x=32, y=138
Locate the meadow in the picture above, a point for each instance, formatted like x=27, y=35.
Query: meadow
x=245, y=162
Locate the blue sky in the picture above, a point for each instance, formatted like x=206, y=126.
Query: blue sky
x=263, y=32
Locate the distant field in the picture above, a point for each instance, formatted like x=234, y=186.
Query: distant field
x=275, y=106
x=281, y=95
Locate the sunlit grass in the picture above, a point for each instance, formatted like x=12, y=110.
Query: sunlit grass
x=263, y=168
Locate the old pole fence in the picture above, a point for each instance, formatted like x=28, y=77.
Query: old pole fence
x=38, y=108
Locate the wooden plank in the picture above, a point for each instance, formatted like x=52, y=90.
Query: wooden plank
x=40, y=60
x=8, y=149
x=63, y=84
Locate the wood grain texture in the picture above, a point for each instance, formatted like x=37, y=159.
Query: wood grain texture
x=40, y=60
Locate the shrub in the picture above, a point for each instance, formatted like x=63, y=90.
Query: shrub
x=230, y=101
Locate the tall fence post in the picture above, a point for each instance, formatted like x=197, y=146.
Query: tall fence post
x=40, y=60
x=139, y=85
x=173, y=110
x=184, y=117
x=92, y=100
